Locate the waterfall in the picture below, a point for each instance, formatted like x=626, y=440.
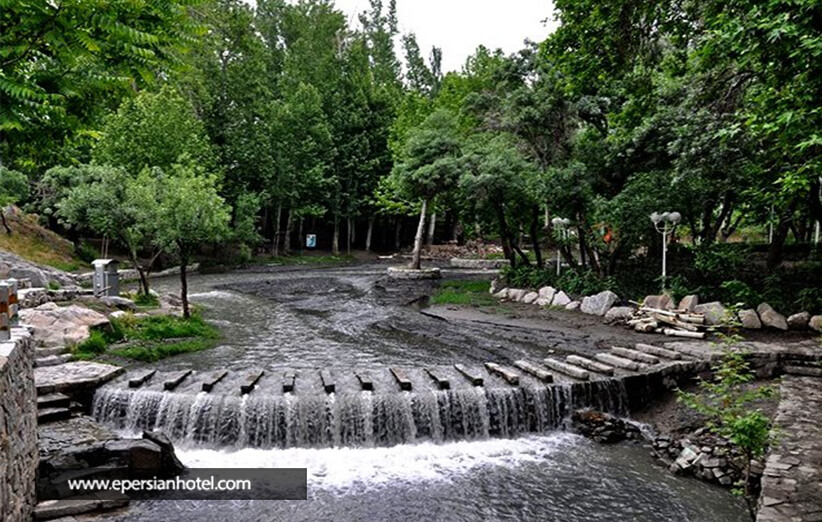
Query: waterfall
x=363, y=419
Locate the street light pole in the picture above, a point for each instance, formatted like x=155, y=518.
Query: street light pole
x=561, y=226
x=665, y=223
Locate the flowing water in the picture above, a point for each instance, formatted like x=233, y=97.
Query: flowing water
x=490, y=453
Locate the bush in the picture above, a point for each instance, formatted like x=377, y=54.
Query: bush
x=735, y=291
x=149, y=301
x=86, y=252
x=95, y=344
x=570, y=281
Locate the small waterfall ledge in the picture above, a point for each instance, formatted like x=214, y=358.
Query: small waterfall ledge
x=307, y=417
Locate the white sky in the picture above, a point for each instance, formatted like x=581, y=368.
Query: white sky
x=459, y=26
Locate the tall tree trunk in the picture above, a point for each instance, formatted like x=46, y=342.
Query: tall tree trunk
x=398, y=234
x=349, y=236
x=369, y=233
x=184, y=285
x=780, y=234
x=289, y=225
x=505, y=236
x=432, y=225
x=3, y=217
x=335, y=241
x=300, y=235
x=535, y=235
x=415, y=256
x=277, y=230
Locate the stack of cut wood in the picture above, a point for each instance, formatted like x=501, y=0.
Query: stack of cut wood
x=678, y=323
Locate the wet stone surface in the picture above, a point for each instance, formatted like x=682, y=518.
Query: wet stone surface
x=792, y=481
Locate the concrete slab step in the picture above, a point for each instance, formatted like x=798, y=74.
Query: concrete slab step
x=588, y=364
x=619, y=362
x=570, y=370
x=635, y=355
x=52, y=509
x=663, y=353
x=53, y=400
x=52, y=360
x=45, y=352
x=46, y=415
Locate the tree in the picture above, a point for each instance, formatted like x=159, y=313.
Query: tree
x=14, y=186
x=430, y=166
x=191, y=214
x=119, y=206
x=153, y=130
x=62, y=62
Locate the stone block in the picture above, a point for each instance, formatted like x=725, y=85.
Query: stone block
x=750, y=319
x=598, y=304
x=560, y=299
x=799, y=321
x=771, y=318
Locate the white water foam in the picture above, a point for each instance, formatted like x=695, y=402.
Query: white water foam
x=356, y=470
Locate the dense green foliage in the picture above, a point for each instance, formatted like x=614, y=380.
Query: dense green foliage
x=282, y=119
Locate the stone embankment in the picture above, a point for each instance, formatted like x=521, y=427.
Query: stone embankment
x=792, y=479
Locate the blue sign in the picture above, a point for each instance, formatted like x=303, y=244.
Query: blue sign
x=311, y=241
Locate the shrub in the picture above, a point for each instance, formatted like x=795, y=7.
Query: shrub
x=95, y=344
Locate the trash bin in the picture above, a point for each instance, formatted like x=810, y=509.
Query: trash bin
x=106, y=279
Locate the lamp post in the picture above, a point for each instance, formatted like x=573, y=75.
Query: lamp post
x=561, y=226
x=665, y=223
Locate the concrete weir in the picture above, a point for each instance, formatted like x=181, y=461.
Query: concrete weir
x=377, y=406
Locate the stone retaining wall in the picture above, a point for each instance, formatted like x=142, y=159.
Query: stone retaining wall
x=18, y=428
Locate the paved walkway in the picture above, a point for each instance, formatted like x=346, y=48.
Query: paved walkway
x=792, y=482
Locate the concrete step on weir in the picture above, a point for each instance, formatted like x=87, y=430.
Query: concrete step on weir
x=212, y=379
x=507, y=374
x=475, y=378
x=46, y=415
x=535, y=370
x=67, y=507
x=45, y=352
x=808, y=371
x=175, y=380
x=328, y=381
x=634, y=355
x=402, y=379
x=619, y=362
x=442, y=381
x=664, y=353
x=570, y=370
x=53, y=400
x=366, y=381
x=52, y=360
x=141, y=378
x=588, y=364
x=289, y=380
x=251, y=380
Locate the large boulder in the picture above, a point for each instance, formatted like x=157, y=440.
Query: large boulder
x=714, y=312
x=771, y=317
x=14, y=266
x=799, y=321
x=573, y=306
x=502, y=294
x=598, y=304
x=547, y=293
x=750, y=319
x=516, y=294
x=659, y=302
x=688, y=303
x=58, y=326
x=530, y=297
x=120, y=303
x=32, y=297
x=560, y=299
x=815, y=323
x=619, y=314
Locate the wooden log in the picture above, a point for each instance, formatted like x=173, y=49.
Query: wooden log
x=213, y=379
x=659, y=352
x=250, y=381
x=328, y=381
x=289, y=379
x=402, y=380
x=671, y=332
x=568, y=369
x=534, y=370
x=366, y=382
x=635, y=355
x=510, y=377
x=442, y=382
x=673, y=321
x=646, y=327
x=588, y=364
x=140, y=379
x=175, y=380
x=618, y=362
x=473, y=377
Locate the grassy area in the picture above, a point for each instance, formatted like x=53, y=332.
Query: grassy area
x=304, y=260
x=149, y=339
x=463, y=292
x=32, y=242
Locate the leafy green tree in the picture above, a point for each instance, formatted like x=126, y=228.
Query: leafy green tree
x=14, y=186
x=122, y=207
x=430, y=166
x=191, y=214
x=153, y=130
